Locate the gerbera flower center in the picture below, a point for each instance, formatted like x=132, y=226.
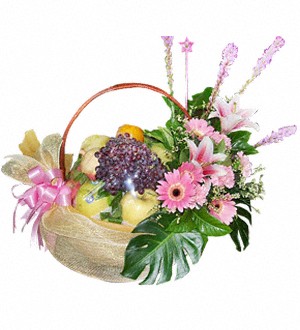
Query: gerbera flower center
x=218, y=206
x=176, y=192
x=198, y=133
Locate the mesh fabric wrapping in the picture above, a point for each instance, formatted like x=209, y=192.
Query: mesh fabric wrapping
x=84, y=246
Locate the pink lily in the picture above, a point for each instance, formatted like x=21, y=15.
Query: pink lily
x=231, y=116
x=203, y=155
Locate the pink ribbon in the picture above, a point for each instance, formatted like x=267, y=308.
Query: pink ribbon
x=48, y=189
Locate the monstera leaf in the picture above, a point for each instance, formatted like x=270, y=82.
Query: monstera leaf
x=240, y=228
x=160, y=249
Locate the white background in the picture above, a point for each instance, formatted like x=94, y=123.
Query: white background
x=53, y=56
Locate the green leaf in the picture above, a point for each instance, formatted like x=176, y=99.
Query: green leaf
x=244, y=213
x=221, y=147
x=175, y=111
x=207, y=224
x=183, y=224
x=245, y=201
x=184, y=156
x=169, y=103
x=114, y=220
x=215, y=123
x=80, y=177
x=115, y=202
x=172, y=124
x=105, y=215
x=163, y=135
x=115, y=214
x=160, y=250
x=239, y=142
x=201, y=99
x=242, y=136
x=102, y=193
x=240, y=233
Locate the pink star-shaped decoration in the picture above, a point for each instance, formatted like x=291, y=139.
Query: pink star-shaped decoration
x=186, y=45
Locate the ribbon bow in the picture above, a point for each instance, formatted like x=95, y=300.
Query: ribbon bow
x=48, y=189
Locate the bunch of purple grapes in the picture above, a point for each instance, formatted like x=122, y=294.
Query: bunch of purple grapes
x=126, y=164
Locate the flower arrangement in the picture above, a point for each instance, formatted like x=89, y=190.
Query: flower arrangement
x=135, y=205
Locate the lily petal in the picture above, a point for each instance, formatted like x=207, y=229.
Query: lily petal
x=205, y=151
x=214, y=169
x=218, y=157
x=193, y=149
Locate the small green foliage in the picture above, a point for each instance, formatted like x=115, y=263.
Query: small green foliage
x=77, y=175
x=239, y=142
x=163, y=135
x=115, y=214
x=197, y=105
x=215, y=123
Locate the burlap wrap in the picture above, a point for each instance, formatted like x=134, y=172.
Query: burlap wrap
x=84, y=246
x=73, y=239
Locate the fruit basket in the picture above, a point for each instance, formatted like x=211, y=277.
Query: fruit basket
x=95, y=248
x=142, y=204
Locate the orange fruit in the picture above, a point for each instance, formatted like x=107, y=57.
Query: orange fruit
x=133, y=131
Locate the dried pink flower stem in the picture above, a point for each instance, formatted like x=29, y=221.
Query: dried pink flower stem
x=263, y=61
x=278, y=136
x=168, y=42
x=229, y=55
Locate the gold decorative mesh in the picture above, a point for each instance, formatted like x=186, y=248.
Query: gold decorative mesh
x=73, y=239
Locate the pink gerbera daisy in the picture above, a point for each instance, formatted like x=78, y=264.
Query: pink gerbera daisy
x=198, y=127
x=176, y=191
x=195, y=172
x=223, y=209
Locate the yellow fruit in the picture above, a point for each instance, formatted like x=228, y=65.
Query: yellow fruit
x=136, y=207
x=134, y=132
x=93, y=141
x=89, y=163
x=162, y=153
x=86, y=201
x=30, y=144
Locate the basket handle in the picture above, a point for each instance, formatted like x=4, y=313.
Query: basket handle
x=104, y=91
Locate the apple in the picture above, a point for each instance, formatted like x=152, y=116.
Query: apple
x=86, y=201
x=92, y=142
x=136, y=207
x=163, y=154
x=89, y=163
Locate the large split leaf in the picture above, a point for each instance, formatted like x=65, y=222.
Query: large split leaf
x=160, y=249
x=240, y=233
